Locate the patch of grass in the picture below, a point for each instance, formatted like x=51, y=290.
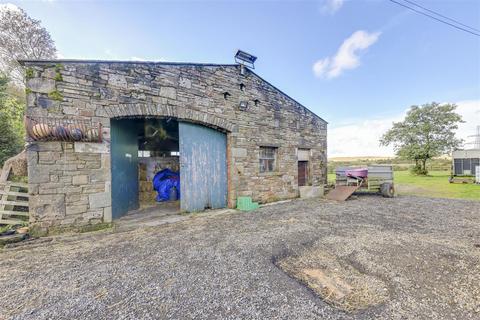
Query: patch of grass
x=435, y=185
x=4, y=228
x=55, y=95
x=58, y=76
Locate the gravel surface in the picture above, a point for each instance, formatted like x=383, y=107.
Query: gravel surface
x=425, y=251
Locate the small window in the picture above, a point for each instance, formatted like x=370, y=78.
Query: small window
x=175, y=153
x=267, y=158
x=143, y=153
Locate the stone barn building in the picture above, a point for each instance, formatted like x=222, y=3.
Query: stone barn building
x=98, y=131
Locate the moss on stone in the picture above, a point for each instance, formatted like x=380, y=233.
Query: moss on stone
x=58, y=76
x=29, y=73
x=55, y=95
x=37, y=231
x=28, y=90
x=95, y=227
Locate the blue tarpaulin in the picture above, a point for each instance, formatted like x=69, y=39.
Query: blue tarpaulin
x=165, y=180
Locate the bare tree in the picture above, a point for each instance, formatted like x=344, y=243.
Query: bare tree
x=22, y=37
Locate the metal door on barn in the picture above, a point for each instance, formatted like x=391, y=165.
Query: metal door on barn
x=124, y=166
x=203, y=167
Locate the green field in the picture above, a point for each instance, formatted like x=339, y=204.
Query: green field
x=434, y=185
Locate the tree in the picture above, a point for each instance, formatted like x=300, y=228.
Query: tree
x=21, y=37
x=11, y=127
x=427, y=131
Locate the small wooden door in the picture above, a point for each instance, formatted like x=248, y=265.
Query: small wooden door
x=203, y=167
x=124, y=166
x=302, y=173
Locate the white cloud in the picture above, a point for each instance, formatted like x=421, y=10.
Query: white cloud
x=347, y=56
x=331, y=6
x=9, y=6
x=361, y=137
x=470, y=111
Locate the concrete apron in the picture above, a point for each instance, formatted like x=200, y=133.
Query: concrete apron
x=165, y=213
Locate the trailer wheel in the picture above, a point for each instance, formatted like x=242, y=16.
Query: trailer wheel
x=387, y=190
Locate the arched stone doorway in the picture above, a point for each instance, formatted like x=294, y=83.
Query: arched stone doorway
x=199, y=142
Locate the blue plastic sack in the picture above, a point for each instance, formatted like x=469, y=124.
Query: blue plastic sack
x=165, y=180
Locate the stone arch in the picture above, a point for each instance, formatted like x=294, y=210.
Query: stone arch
x=158, y=110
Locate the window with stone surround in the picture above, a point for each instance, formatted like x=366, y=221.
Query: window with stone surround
x=268, y=156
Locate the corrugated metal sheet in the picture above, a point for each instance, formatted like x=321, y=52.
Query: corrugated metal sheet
x=203, y=168
x=465, y=167
x=466, y=154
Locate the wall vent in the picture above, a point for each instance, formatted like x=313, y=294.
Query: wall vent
x=243, y=106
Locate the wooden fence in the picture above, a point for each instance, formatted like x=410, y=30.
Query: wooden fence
x=13, y=203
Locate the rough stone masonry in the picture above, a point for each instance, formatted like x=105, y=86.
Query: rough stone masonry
x=70, y=182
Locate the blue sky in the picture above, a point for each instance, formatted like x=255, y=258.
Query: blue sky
x=372, y=58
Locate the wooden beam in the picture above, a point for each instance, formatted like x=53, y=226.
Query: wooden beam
x=14, y=203
x=15, y=184
x=14, y=213
x=11, y=221
x=13, y=193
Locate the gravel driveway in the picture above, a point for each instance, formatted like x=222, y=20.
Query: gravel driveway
x=425, y=251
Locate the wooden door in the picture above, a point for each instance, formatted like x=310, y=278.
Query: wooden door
x=302, y=173
x=203, y=167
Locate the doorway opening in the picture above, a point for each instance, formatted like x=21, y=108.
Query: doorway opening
x=302, y=173
x=168, y=165
x=141, y=148
x=158, y=153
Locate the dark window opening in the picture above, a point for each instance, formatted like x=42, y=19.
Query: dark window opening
x=267, y=159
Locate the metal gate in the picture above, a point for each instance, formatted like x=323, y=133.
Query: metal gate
x=124, y=166
x=203, y=168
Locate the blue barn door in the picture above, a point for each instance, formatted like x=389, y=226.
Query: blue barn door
x=203, y=168
x=124, y=166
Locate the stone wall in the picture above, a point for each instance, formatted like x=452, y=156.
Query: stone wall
x=206, y=94
x=68, y=186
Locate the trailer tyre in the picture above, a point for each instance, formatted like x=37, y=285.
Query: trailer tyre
x=387, y=190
